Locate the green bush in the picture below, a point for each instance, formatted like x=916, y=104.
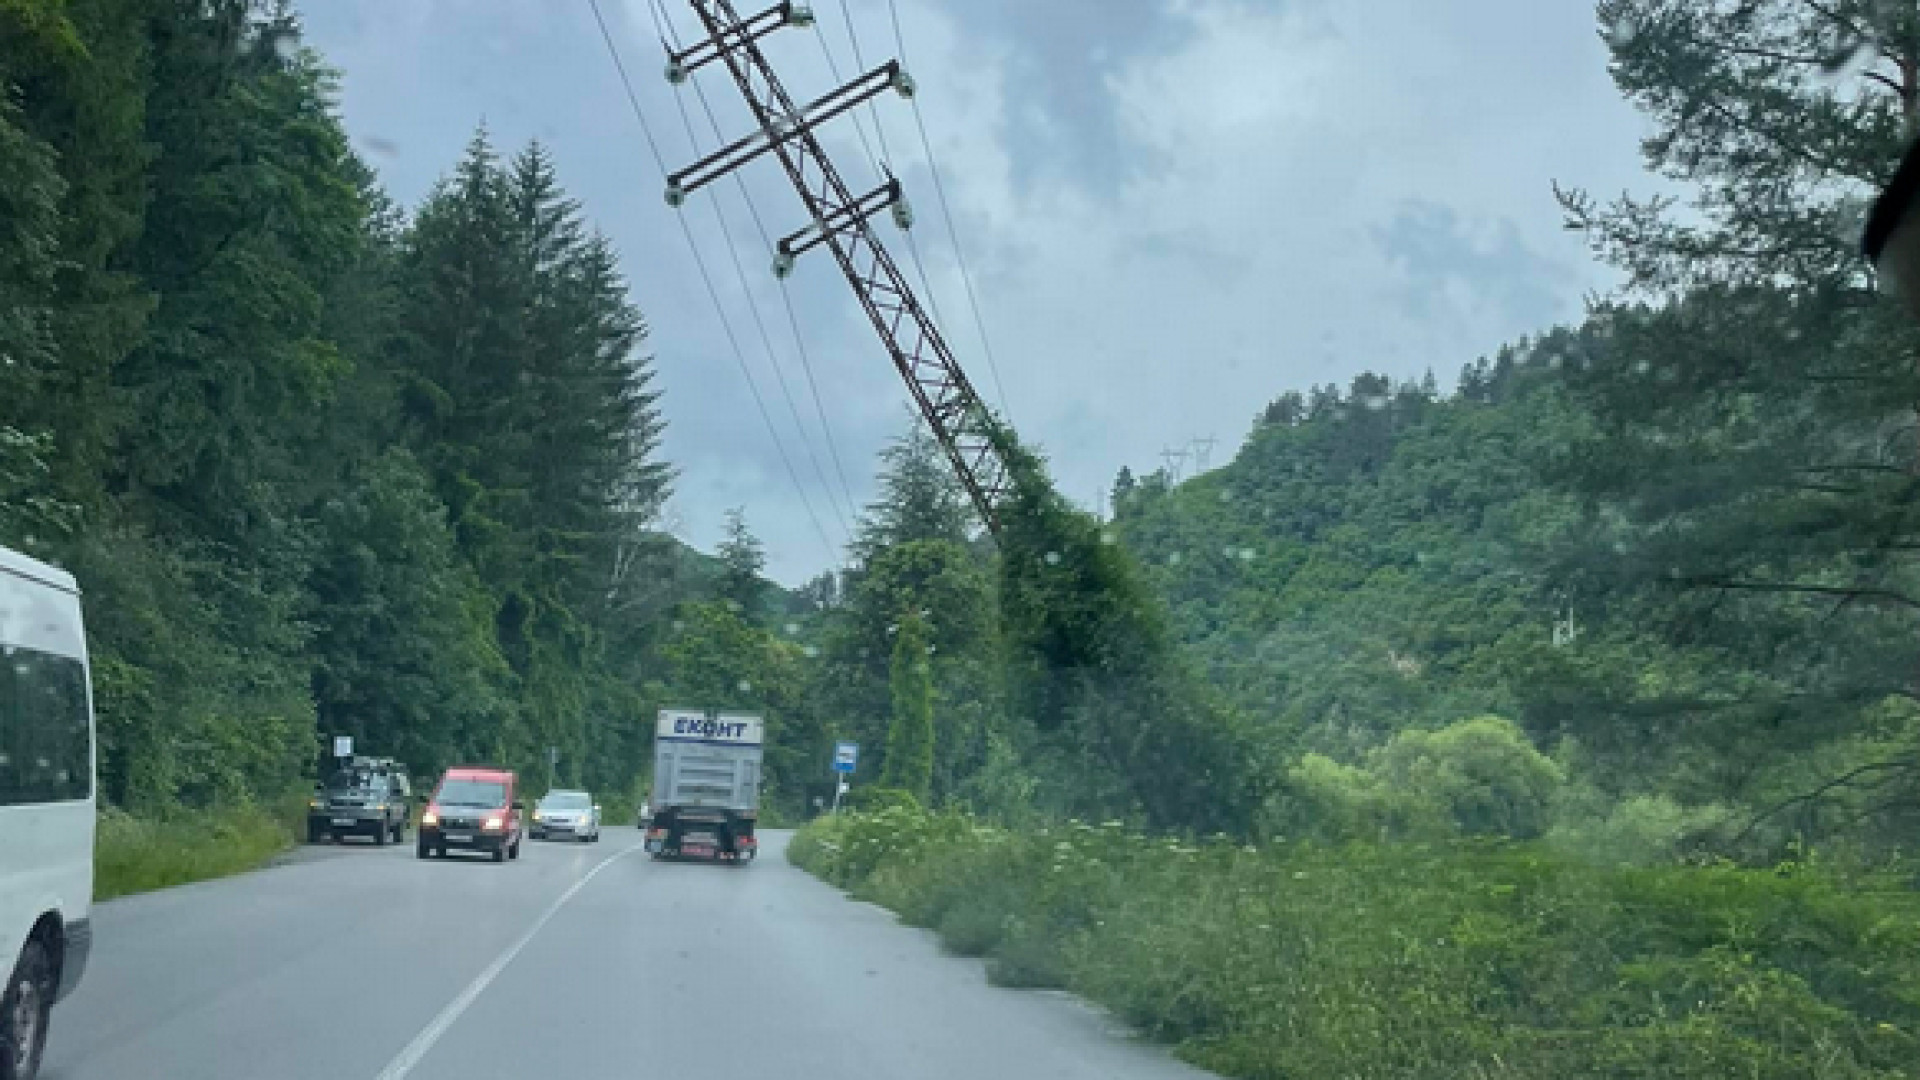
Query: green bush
x=871, y=799
x=1474, y=958
x=1643, y=830
x=139, y=854
x=1478, y=777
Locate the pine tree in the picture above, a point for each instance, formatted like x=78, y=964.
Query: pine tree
x=919, y=498
x=742, y=558
x=1752, y=459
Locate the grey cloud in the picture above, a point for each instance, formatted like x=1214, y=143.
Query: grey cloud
x=1439, y=254
x=1058, y=58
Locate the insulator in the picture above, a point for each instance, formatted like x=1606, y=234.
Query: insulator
x=903, y=84
x=782, y=264
x=799, y=15
x=903, y=213
x=676, y=72
x=676, y=195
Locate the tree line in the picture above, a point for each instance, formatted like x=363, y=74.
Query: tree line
x=322, y=466
x=326, y=464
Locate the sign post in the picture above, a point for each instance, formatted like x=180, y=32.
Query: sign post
x=846, y=755
x=343, y=746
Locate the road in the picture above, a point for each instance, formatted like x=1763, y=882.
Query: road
x=578, y=961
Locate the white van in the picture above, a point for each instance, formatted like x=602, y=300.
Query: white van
x=46, y=803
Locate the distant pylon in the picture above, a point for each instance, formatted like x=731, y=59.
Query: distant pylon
x=1203, y=454
x=1176, y=462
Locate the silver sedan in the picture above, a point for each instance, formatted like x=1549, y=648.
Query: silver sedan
x=566, y=815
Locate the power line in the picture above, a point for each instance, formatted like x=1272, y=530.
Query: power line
x=940, y=191
x=706, y=277
x=913, y=244
x=860, y=64
x=664, y=26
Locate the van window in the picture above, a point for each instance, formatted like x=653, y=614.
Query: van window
x=43, y=728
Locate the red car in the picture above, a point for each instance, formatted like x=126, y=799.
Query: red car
x=476, y=808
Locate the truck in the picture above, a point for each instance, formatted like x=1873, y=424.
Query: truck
x=706, y=785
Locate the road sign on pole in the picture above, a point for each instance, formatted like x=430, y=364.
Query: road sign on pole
x=845, y=756
x=343, y=746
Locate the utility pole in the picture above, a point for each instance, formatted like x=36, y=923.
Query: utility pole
x=842, y=223
x=1203, y=454
x=1176, y=461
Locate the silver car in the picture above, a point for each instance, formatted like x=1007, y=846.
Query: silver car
x=566, y=815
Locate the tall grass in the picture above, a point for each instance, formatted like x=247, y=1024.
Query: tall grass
x=135, y=854
x=1471, y=960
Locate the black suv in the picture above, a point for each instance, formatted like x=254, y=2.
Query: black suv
x=369, y=797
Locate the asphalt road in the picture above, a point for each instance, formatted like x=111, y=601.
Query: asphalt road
x=579, y=961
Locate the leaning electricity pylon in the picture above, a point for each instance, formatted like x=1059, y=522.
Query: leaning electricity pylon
x=842, y=223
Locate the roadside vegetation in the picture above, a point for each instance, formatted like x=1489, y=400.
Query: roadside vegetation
x=138, y=854
x=1450, y=958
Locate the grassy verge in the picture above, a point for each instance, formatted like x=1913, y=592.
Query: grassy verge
x=1473, y=960
x=138, y=854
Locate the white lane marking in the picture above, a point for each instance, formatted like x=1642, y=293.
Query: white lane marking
x=403, y=1063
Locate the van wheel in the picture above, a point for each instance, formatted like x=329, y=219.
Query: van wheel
x=500, y=853
x=400, y=832
x=380, y=833
x=421, y=850
x=24, y=1010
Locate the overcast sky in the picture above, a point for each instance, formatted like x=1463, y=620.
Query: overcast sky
x=1174, y=210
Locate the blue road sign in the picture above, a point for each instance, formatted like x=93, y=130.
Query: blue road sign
x=845, y=756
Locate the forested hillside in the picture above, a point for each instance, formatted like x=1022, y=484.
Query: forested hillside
x=322, y=464
x=327, y=464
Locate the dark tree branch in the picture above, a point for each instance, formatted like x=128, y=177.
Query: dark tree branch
x=1856, y=594
x=1897, y=89
x=1847, y=779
